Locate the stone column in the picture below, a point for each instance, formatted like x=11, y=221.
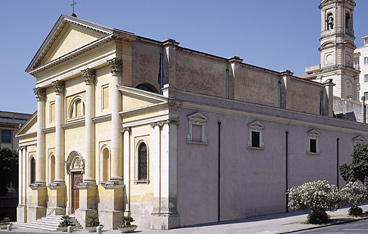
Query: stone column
x=40, y=159
x=168, y=217
x=59, y=133
x=20, y=178
x=57, y=194
x=89, y=78
x=126, y=132
x=24, y=176
x=116, y=167
x=22, y=209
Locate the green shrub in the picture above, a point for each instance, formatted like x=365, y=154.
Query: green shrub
x=93, y=220
x=65, y=221
x=357, y=211
x=5, y=220
x=317, y=197
x=127, y=220
x=354, y=193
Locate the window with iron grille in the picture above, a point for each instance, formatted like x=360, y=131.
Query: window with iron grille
x=142, y=161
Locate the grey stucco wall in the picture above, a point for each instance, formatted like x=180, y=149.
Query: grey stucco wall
x=349, y=110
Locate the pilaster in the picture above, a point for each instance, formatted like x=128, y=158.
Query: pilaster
x=283, y=86
x=170, y=47
x=234, y=74
x=165, y=216
x=116, y=139
x=329, y=102
x=126, y=133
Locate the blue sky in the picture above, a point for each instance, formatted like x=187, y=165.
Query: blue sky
x=274, y=34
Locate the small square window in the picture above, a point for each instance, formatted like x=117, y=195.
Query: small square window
x=366, y=60
x=365, y=77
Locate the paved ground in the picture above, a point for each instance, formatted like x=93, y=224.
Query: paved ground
x=269, y=224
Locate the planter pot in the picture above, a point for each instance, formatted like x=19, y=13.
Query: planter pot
x=5, y=226
x=92, y=229
x=126, y=229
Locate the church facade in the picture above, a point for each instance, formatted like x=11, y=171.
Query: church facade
x=127, y=125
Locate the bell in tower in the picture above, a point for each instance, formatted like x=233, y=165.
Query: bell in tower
x=337, y=47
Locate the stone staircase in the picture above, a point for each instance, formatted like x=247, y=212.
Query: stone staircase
x=50, y=223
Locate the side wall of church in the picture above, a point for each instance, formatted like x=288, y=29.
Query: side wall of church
x=253, y=179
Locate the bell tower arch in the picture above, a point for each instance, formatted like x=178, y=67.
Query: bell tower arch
x=337, y=47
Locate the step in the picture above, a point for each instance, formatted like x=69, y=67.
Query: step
x=50, y=223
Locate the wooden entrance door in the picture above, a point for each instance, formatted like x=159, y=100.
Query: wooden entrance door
x=77, y=178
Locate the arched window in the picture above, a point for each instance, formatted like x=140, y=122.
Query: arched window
x=147, y=87
x=33, y=171
x=51, y=169
x=330, y=21
x=142, y=162
x=347, y=20
x=105, y=164
x=76, y=108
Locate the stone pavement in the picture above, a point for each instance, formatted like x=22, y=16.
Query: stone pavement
x=269, y=224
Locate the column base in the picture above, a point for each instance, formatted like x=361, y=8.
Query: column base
x=22, y=214
x=36, y=212
x=82, y=216
x=56, y=199
x=111, y=219
x=165, y=221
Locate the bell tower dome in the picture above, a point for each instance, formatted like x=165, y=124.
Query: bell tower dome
x=337, y=47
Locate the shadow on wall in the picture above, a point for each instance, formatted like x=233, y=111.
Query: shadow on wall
x=348, y=116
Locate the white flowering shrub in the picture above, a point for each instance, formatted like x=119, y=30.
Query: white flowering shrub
x=317, y=197
x=354, y=193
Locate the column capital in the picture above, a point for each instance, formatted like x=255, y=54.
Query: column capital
x=169, y=121
x=115, y=65
x=21, y=148
x=40, y=94
x=59, y=86
x=89, y=76
x=125, y=129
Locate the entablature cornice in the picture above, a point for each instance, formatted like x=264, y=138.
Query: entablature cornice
x=102, y=118
x=27, y=135
x=76, y=70
x=49, y=130
x=75, y=124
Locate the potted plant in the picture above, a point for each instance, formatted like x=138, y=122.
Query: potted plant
x=126, y=225
x=65, y=223
x=93, y=223
x=5, y=222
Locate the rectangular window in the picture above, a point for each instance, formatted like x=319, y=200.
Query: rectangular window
x=365, y=77
x=356, y=64
x=366, y=60
x=255, y=139
x=6, y=136
x=313, y=145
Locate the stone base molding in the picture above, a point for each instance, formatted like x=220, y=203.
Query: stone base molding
x=56, y=204
x=111, y=219
x=165, y=221
x=112, y=212
x=22, y=214
x=35, y=212
x=82, y=216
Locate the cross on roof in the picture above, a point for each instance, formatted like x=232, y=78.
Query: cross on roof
x=73, y=4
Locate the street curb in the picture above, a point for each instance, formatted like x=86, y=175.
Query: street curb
x=325, y=225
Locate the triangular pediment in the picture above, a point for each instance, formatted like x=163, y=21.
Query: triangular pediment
x=134, y=98
x=359, y=140
x=256, y=125
x=198, y=117
x=28, y=128
x=69, y=34
x=313, y=132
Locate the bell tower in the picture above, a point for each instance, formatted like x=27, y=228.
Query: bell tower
x=337, y=47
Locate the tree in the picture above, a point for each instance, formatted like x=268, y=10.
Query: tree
x=8, y=169
x=317, y=197
x=358, y=169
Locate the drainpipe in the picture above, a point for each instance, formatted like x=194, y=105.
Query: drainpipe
x=227, y=83
x=161, y=72
x=287, y=168
x=364, y=110
x=337, y=161
x=219, y=173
